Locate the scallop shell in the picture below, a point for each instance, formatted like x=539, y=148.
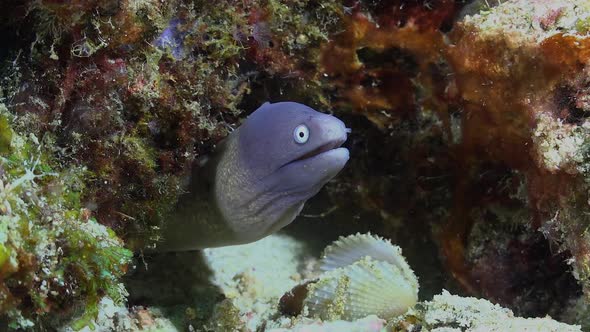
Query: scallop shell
x=364, y=275
x=347, y=250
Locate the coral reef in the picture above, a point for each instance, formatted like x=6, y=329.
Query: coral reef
x=122, y=97
x=527, y=117
x=469, y=143
x=483, y=142
x=448, y=312
x=52, y=253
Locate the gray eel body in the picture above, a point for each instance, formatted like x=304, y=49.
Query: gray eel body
x=259, y=178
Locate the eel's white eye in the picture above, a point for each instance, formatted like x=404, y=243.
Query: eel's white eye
x=301, y=134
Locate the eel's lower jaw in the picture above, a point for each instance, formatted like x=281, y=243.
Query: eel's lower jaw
x=335, y=144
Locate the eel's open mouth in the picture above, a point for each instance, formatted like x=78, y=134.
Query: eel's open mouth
x=321, y=149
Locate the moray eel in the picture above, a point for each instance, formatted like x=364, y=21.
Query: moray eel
x=258, y=178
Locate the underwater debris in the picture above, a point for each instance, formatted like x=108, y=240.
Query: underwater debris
x=363, y=275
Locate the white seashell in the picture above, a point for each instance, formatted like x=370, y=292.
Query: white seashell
x=347, y=250
x=364, y=275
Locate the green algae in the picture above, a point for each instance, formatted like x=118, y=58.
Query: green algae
x=49, y=246
x=4, y=255
x=226, y=317
x=583, y=25
x=97, y=262
x=5, y=135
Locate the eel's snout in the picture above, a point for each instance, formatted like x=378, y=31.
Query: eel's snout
x=322, y=160
x=327, y=133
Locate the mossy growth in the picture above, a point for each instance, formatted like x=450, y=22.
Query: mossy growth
x=103, y=124
x=53, y=255
x=225, y=317
x=5, y=135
